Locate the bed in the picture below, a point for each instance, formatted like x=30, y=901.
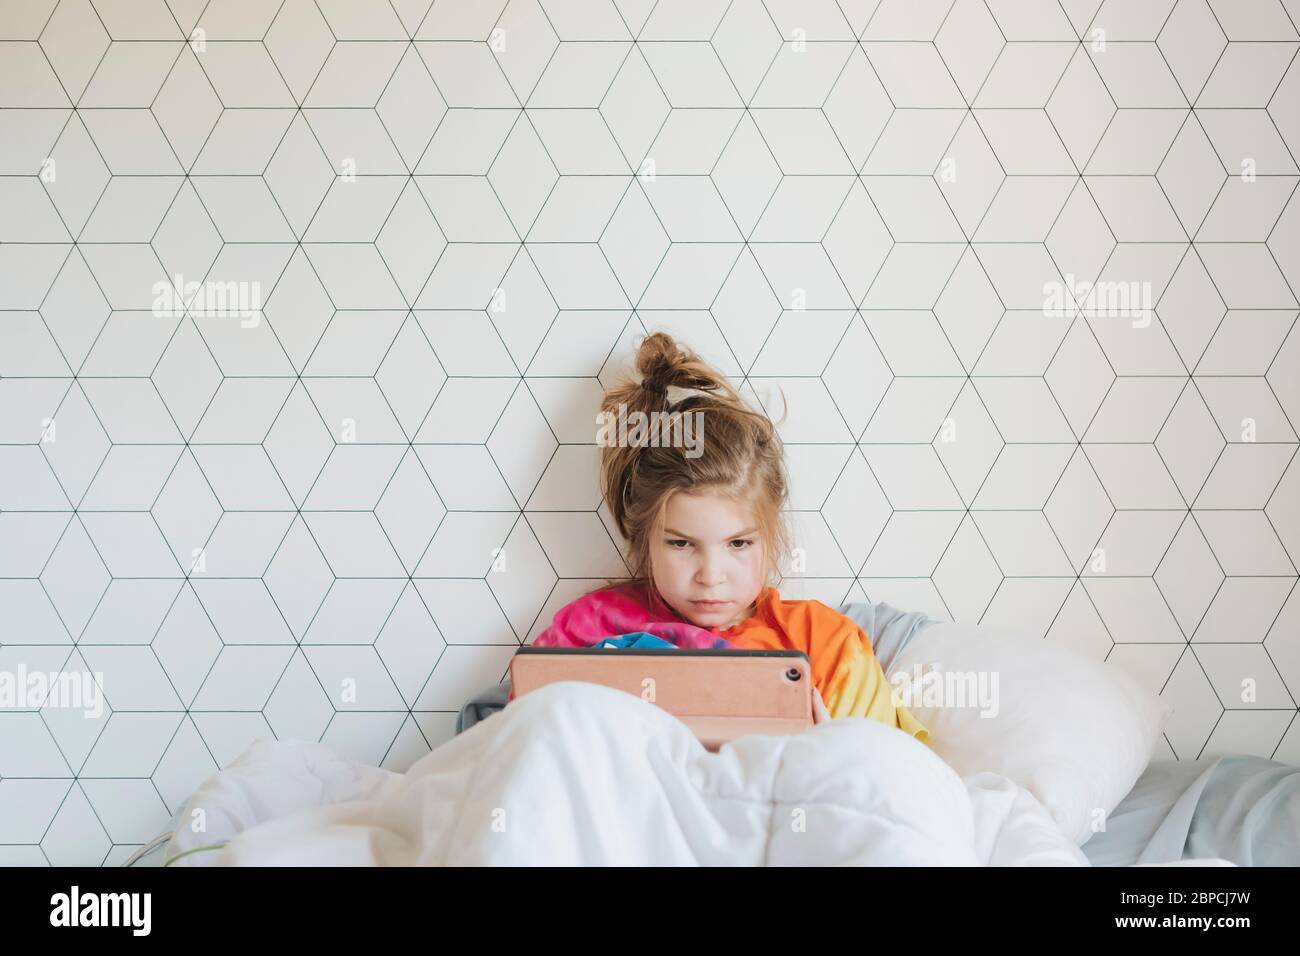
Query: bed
x=1240, y=808
x=585, y=775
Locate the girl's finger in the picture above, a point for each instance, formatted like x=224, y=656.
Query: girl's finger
x=820, y=713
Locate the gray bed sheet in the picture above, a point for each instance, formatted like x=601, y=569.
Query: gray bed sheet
x=1238, y=807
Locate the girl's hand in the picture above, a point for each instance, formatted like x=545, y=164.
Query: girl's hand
x=820, y=714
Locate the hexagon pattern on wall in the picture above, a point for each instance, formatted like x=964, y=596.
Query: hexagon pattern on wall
x=1025, y=272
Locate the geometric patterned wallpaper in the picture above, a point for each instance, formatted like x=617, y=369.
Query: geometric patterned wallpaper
x=306, y=307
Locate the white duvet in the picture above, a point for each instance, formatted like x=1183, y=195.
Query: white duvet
x=580, y=774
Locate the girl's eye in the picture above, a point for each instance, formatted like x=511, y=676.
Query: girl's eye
x=680, y=543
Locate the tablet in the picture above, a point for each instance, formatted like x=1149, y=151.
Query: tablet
x=719, y=694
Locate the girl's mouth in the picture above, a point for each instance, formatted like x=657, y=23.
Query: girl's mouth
x=710, y=603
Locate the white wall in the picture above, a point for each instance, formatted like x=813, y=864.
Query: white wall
x=867, y=206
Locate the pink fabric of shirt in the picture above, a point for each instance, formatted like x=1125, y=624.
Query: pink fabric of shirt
x=616, y=611
x=610, y=613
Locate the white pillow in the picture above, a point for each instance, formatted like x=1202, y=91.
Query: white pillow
x=1074, y=732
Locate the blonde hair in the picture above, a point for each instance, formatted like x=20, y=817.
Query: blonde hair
x=740, y=455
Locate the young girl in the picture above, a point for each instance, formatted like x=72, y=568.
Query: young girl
x=705, y=536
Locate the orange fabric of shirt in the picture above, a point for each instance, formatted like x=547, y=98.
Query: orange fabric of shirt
x=844, y=666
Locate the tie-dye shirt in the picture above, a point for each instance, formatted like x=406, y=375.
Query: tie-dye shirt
x=844, y=667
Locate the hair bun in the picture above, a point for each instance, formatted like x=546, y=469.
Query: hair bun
x=658, y=360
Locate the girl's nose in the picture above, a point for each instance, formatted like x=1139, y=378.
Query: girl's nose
x=709, y=574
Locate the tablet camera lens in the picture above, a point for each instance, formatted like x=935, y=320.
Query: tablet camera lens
x=793, y=674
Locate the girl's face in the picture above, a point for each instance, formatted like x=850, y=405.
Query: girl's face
x=708, y=550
